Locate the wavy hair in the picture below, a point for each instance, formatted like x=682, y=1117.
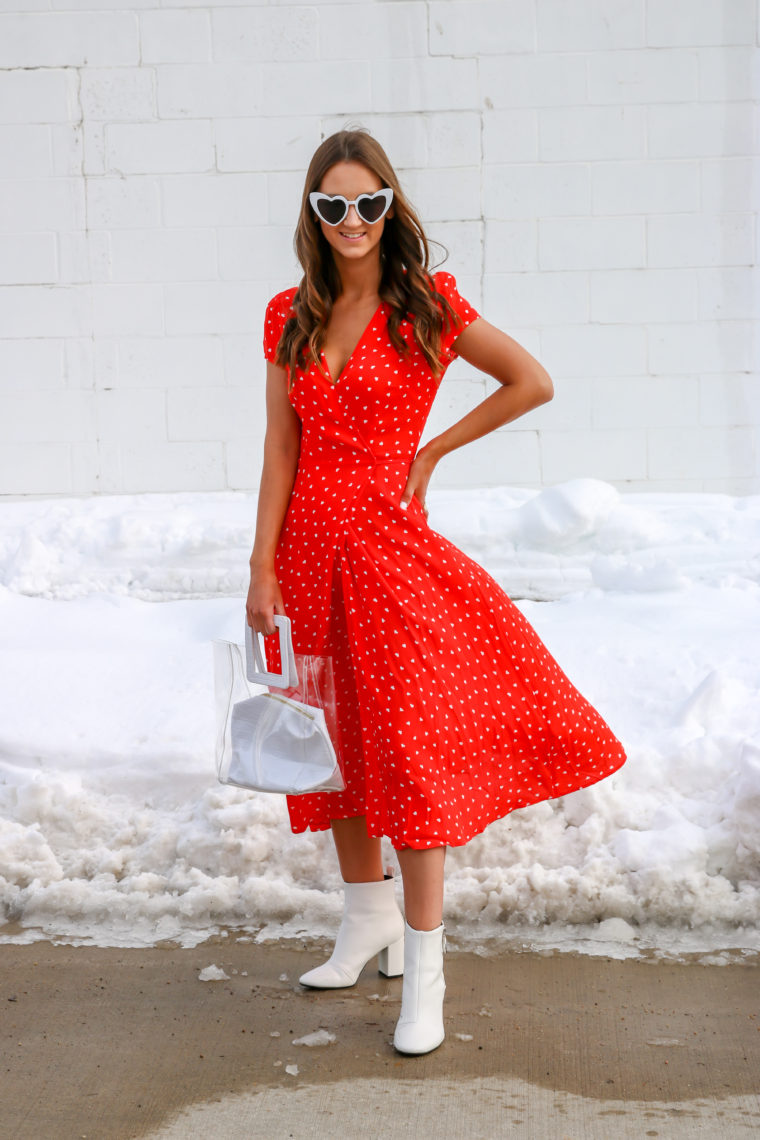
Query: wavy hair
x=406, y=284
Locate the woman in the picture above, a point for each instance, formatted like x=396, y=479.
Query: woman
x=451, y=711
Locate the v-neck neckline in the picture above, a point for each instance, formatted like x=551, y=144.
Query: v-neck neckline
x=354, y=350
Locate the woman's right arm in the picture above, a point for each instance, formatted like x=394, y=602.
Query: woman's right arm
x=282, y=445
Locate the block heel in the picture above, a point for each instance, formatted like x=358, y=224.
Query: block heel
x=390, y=960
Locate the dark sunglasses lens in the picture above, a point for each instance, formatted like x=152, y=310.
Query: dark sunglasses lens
x=331, y=212
x=371, y=209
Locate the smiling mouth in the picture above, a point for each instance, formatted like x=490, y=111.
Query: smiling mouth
x=352, y=237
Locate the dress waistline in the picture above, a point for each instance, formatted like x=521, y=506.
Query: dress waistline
x=363, y=458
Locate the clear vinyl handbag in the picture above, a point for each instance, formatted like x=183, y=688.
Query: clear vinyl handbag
x=281, y=740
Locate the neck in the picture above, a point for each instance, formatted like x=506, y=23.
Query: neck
x=359, y=278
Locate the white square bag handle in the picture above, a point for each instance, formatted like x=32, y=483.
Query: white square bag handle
x=255, y=665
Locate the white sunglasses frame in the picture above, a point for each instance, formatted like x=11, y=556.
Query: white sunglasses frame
x=316, y=196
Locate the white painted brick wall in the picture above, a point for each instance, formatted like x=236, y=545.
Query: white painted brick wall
x=482, y=27
x=591, y=167
x=175, y=37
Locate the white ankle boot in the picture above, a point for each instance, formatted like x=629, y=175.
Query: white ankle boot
x=420, y=1026
x=372, y=924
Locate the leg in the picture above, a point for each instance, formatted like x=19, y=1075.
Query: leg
x=359, y=854
x=420, y=1026
x=422, y=872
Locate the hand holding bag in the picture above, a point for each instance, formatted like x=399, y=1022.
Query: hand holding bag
x=276, y=741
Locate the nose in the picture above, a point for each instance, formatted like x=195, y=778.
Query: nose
x=352, y=218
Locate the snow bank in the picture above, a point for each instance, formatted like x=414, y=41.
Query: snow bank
x=113, y=829
x=538, y=545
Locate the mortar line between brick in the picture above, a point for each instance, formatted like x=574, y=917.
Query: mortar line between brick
x=91, y=299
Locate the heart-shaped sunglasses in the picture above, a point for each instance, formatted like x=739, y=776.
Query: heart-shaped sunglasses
x=370, y=207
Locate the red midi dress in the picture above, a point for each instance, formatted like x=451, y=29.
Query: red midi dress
x=451, y=711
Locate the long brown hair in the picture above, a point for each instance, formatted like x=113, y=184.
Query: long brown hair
x=406, y=284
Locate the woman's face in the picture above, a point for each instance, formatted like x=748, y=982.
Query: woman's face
x=353, y=238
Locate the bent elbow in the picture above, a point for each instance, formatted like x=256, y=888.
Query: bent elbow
x=544, y=387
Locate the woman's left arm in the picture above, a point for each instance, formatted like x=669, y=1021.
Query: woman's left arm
x=525, y=385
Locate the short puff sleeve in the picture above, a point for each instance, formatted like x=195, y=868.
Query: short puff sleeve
x=279, y=310
x=446, y=285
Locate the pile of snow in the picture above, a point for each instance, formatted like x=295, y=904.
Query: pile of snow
x=318, y=1037
x=213, y=973
x=113, y=829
